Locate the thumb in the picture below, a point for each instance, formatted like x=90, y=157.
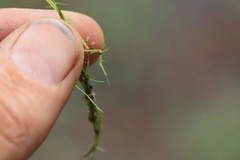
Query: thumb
x=40, y=63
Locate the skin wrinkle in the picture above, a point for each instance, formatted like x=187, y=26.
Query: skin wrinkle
x=11, y=115
x=3, y=132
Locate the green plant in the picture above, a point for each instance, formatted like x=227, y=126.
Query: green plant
x=89, y=95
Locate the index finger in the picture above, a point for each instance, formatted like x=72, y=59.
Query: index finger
x=12, y=18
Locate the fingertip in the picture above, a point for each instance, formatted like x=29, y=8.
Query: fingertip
x=91, y=33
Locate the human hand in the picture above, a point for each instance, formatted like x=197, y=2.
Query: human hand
x=40, y=63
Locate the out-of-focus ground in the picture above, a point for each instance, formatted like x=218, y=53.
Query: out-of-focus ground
x=174, y=67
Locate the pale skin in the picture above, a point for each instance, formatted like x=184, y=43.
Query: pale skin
x=30, y=103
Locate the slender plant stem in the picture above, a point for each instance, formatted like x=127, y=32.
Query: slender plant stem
x=93, y=116
x=94, y=110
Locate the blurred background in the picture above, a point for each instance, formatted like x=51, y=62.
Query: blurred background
x=175, y=82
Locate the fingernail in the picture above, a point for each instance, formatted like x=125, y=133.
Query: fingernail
x=46, y=50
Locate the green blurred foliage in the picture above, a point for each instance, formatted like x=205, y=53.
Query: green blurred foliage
x=174, y=72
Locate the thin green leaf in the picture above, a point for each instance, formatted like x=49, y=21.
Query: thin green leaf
x=99, y=109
